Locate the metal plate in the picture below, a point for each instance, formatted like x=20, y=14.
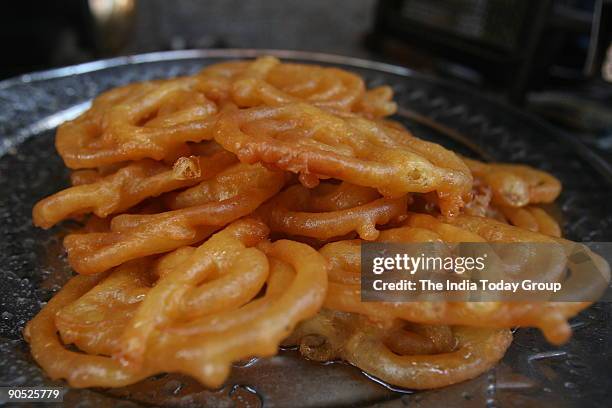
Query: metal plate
x=533, y=373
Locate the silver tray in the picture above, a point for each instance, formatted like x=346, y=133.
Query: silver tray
x=532, y=374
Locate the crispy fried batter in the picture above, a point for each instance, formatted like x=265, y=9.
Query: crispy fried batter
x=307, y=140
x=178, y=183
x=516, y=185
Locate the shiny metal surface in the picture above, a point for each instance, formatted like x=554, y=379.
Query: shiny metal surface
x=532, y=374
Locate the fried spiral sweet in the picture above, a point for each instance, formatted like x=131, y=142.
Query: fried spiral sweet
x=532, y=218
x=127, y=187
x=95, y=321
x=132, y=235
x=165, y=336
x=268, y=82
x=294, y=212
x=516, y=185
x=304, y=139
x=118, y=126
x=344, y=293
x=223, y=215
x=418, y=363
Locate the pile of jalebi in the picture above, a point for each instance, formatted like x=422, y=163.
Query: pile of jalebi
x=223, y=216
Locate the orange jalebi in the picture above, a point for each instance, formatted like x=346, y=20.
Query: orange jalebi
x=194, y=193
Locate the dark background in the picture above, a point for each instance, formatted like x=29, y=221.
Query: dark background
x=333, y=26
